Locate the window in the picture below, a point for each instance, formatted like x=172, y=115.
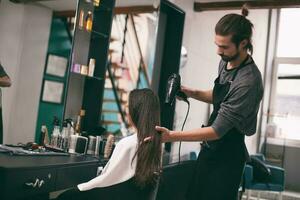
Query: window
x=285, y=100
x=288, y=33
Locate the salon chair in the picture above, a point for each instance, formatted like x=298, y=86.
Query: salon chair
x=273, y=182
x=175, y=180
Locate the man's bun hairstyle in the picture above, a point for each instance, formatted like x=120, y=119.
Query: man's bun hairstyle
x=245, y=10
x=238, y=26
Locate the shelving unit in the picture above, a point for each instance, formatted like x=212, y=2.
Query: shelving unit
x=86, y=92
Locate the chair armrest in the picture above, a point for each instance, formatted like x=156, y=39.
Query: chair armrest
x=248, y=176
x=277, y=175
x=260, y=157
x=193, y=155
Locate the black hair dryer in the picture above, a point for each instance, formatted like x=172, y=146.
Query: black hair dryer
x=174, y=89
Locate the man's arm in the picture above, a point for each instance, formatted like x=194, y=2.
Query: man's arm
x=200, y=134
x=5, y=81
x=200, y=95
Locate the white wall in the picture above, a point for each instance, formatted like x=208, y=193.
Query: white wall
x=24, y=35
x=201, y=68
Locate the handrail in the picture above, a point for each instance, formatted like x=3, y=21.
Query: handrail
x=124, y=39
x=142, y=62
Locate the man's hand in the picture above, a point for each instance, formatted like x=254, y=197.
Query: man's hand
x=187, y=91
x=200, y=95
x=5, y=81
x=166, y=133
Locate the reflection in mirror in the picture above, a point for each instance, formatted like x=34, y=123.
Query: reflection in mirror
x=36, y=41
x=33, y=42
x=131, y=56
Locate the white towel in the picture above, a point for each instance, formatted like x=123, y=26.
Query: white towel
x=119, y=168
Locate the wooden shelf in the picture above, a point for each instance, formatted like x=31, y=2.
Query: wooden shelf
x=93, y=33
x=86, y=76
x=89, y=90
x=102, y=8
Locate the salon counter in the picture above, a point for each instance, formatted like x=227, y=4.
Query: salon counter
x=23, y=177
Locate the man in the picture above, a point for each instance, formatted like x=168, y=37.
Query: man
x=235, y=97
x=4, y=82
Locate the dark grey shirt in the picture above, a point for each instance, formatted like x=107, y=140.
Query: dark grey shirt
x=241, y=104
x=2, y=71
x=2, y=74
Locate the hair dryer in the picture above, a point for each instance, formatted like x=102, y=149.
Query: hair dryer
x=174, y=89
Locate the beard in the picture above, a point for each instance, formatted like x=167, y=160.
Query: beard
x=229, y=58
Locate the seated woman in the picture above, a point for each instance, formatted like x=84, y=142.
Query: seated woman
x=133, y=169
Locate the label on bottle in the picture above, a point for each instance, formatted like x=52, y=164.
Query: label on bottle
x=92, y=67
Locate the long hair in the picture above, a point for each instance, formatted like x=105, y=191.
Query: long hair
x=238, y=26
x=144, y=110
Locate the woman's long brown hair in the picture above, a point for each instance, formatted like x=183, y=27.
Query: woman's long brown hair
x=144, y=110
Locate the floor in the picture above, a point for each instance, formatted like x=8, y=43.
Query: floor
x=286, y=195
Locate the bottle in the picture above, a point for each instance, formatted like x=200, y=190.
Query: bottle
x=96, y=3
x=42, y=135
x=79, y=120
x=89, y=21
x=91, y=67
x=46, y=138
x=70, y=125
x=84, y=70
x=109, y=145
x=65, y=136
x=55, y=140
x=81, y=19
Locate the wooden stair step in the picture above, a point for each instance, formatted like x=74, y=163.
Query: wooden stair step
x=115, y=77
x=112, y=39
x=110, y=51
x=118, y=65
x=108, y=122
x=118, y=89
x=110, y=111
x=113, y=100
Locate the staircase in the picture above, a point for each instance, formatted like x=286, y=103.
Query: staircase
x=126, y=70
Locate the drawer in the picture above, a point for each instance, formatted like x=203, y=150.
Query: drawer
x=22, y=183
x=72, y=176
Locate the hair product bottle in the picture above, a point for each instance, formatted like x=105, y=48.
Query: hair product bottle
x=79, y=120
x=55, y=140
x=96, y=3
x=109, y=145
x=89, y=21
x=65, y=136
x=91, y=67
x=81, y=19
x=42, y=135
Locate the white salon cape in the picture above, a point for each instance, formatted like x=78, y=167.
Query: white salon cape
x=119, y=168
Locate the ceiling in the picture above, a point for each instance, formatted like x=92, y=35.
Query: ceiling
x=61, y=5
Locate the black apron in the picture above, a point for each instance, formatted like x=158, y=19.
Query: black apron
x=221, y=162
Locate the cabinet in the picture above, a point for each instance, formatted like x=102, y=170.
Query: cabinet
x=28, y=177
x=89, y=42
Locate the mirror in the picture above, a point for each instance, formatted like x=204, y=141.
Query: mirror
x=34, y=51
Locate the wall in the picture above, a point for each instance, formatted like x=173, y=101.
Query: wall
x=202, y=65
x=24, y=34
